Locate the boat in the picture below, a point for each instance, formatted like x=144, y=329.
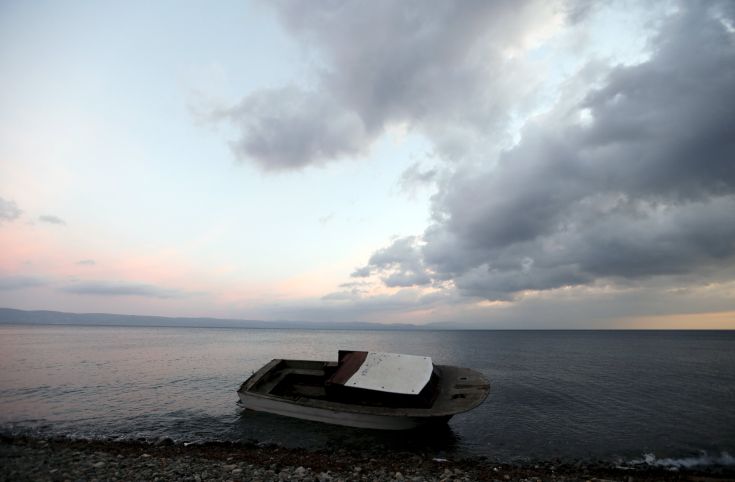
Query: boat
x=387, y=391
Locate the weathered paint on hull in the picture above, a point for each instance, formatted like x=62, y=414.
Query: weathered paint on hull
x=348, y=419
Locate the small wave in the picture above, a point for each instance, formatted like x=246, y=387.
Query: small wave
x=702, y=460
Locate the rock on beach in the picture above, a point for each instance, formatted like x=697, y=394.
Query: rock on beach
x=61, y=460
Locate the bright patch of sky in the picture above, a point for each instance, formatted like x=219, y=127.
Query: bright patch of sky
x=97, y=126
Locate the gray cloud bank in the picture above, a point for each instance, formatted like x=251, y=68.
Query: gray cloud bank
x=119, y=288
x=8, y=210
x=382, y=63
x=635, y=180
x=18, y=282
x=91, y=287
x=51, y=219
x=627, y=181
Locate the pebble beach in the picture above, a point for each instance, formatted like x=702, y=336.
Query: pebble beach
x=69, y=460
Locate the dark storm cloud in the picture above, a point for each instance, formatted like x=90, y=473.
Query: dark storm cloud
x=51, y=219
x=429, y=64
x=8, y=283
x=8, y=210
x=121, y=288
x=636, y=180
x=289, y=128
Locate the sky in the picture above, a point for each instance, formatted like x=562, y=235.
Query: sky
x=473, y=164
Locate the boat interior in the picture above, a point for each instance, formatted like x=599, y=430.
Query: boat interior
x=302, y=379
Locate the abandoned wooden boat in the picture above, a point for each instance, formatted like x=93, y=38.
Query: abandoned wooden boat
x=365, y=389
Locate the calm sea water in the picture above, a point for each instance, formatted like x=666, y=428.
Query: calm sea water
x=574, y=395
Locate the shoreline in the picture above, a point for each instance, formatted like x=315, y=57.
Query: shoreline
x=58, y=459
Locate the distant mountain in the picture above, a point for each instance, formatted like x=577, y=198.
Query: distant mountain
x=21, y=317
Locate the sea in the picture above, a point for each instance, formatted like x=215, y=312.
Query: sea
x=621, y=397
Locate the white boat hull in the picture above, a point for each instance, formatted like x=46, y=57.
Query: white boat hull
x=349, y=419
x=299, y=389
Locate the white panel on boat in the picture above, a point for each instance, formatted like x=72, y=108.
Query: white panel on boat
x=394, y=373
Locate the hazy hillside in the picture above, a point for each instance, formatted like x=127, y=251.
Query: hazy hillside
x=43, y=317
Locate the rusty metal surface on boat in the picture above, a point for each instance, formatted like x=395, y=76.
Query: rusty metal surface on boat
x=365, y=389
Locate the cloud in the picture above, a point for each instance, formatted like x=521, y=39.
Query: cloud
x=348, y=305
x=289, y=128
x=51, y=219
x=8, y=210
x=589, y=306
x=634, y=180
x=351, y=291
x=442, y=67
x=8, y=283
x=324, y=220
x=120, y=288
x=414, y=177
x=86, y=262
x=593, y=307
x=399, y=264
